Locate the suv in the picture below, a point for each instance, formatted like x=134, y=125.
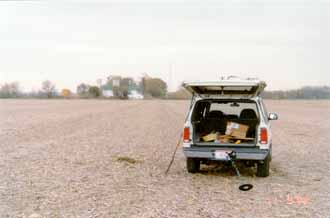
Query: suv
x=225, y=117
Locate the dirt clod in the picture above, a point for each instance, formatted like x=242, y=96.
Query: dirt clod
x=128, y=160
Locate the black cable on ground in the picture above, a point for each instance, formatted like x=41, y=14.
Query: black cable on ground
x=242, y=186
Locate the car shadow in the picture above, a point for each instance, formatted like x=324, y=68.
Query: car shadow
x=226, y=170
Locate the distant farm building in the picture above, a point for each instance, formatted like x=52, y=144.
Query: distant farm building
x=121, y=87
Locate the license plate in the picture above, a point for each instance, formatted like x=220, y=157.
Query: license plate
x=221, y=155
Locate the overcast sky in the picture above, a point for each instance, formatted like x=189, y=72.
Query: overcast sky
x=286, y=43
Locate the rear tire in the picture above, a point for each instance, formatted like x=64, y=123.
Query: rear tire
x=263, y=168
x=193, y=165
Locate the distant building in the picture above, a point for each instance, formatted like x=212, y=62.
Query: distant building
x=114, y=81
x=119, y=87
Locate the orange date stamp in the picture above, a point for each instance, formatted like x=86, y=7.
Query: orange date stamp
x=300, y=200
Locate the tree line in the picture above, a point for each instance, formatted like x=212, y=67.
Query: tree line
x=306, y=92
x=13, y=90
x=148, y=87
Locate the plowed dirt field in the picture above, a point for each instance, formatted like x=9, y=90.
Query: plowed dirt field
x=100, y=158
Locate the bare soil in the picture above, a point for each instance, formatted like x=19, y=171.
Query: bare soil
x=98, y=158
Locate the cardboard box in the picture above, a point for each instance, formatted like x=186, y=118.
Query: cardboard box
x=225, y=139
x=210, y=137
x=236, y=129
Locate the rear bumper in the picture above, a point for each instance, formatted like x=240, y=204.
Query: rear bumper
x=241, y=153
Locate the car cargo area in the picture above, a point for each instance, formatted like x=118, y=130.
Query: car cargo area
x=225, y=122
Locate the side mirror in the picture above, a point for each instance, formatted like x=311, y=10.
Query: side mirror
x=272, y=116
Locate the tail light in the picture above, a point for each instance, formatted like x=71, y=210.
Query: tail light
x=186, y=134
x=263, y=136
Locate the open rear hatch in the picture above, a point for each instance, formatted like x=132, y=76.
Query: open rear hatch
x=229, y=88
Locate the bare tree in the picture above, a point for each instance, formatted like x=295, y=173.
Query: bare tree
x=10, y=90
x=48, y=88
x=82, y=90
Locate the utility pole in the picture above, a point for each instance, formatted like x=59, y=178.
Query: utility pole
x=99, y=82
x=170, y=69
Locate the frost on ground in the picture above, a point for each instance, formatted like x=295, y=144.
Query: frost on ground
x=89, y=158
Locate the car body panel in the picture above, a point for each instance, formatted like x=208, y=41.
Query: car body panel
x=242, y=153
